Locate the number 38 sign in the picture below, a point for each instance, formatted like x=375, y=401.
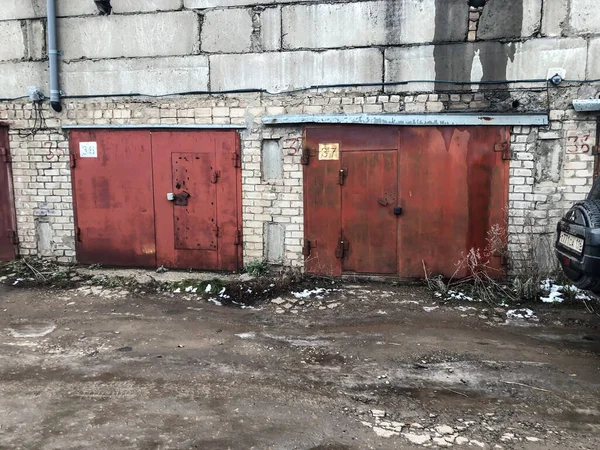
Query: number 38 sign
x=579, y=142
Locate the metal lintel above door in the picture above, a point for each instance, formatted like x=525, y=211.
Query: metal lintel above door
x=448, y=119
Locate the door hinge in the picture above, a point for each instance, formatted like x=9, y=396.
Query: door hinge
x=504, y=148
x=342, y=176
x=304, y=160
x=342, y=247
x=308, y=246
x=78, y=234
x=14, y=237
x=235, y=157
x=215, y=176
x=238, y=237
x=5, y=154
x=72, y=160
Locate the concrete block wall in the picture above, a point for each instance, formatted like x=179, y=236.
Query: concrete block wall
x=281, y=44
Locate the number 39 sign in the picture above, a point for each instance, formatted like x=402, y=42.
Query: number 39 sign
x=579, y=142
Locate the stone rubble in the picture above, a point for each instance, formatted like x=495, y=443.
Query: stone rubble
x=443, y=435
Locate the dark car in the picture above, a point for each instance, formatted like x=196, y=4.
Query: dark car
x=578, y=242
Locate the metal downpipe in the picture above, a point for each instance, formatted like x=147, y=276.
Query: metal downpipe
x=53, y=57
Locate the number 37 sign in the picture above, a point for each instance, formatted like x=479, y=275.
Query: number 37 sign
x=579, y=141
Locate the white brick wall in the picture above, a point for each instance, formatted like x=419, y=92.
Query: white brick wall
x=545, y=178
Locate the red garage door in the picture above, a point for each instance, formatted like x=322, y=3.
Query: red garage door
x=387, y=200
x=157, y=198
x=8, y=236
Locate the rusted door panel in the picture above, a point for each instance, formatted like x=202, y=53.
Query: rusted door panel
x=369, y=195
x=195, y=221
x=322, y=206
x=7, y=212
x=212, y=217
x=355, y=137
x=453, y=189
x=114, y=208
x=229, y=194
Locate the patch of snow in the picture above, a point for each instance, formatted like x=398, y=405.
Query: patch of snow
x=208, y=288
x=249, y=335
x=457, y=295
x=306, y=293
x=177, y=291
x=430, y=308
x=523, y=313
x=215, y=301
x=556, y=291
x=555, y=294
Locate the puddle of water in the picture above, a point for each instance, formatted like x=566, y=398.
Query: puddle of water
x=31, y=330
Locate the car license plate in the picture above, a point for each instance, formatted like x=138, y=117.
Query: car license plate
x=572, y=242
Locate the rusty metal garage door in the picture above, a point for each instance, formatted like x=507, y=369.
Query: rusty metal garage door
x=8, y=235
x=387, y=200
x=157, y=198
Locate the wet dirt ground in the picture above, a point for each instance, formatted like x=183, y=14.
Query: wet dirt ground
x=367, y=366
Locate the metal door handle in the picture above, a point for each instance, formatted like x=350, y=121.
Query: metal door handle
x=383, y=201
x=170, y=196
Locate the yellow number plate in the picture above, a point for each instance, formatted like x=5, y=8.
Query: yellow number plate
x=329, y=152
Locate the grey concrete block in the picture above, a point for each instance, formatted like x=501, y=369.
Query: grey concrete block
x=67, y=8
x=132, y=6
x=272, y=160
x=593, y=69
x=554, y=15
x=227, y=31
x=36, y=39
x=154, y=76
x=22, y=9
x=534, y=57
x=16, y=77
x=203, y=4
x=510, y=19
x=410, y=63
x=373, y=23
x=584, y=16
x=484, y=61
x=274, y=242
x=280, y=71
x=12, y=36
x=44, y=234
x=161, y=34
x=270, y=29
x=30, y=9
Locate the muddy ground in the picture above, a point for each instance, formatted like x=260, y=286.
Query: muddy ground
x=366, y=366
